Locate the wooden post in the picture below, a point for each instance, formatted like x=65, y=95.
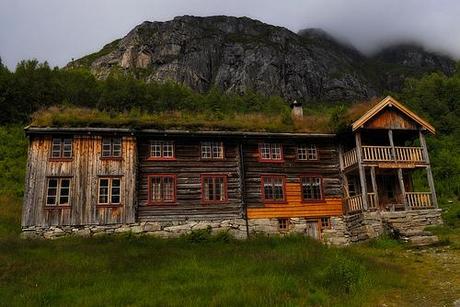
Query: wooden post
x=362, y=172
x=429, y=174
x=401, y=186
x=374, y=186
x=392, y=144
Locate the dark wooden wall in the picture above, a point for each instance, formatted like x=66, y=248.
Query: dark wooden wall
x=188, y=168
x=327, y=166
x=84, y=169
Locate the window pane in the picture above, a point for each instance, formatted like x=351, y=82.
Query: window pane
x=155, y=149
x=214, y=189
x=115, y=195
x=56, y=148
x=106, y=147
x=311, y=187
x=168, y=150
x=265, y=151
x=206, y=150
x=64, y=192
x=103, y=191
x=52, y=191
x=168, y=188
x=67, y=149
x=276, y=151
x=116, y=145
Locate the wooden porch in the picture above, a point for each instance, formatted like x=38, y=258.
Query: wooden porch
x=413, y=201
x=377, y=154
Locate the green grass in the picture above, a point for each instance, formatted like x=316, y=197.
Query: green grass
x=202, y=270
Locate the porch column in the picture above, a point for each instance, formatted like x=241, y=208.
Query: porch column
x=429, y=174
x=402, y=188
x=362, y=172
x=392, y=144
x=374, y=187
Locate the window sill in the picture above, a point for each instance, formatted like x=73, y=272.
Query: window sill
x=60, y=159
x=274, y=202
x=160, y=159
x=109, y=205
x=309, y=160
x=57, y=207
x=270, y=161
x=112, y=158
x=163, y=204
x=205, y=203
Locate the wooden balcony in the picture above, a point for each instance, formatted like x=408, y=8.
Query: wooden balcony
x=384, y=154
x=415, y=201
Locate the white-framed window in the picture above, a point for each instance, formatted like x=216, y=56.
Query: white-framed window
x=161, y=149
x=325, y=222
x=58, y=191
x=270, y=152
x=111, y=147
x=61, y=148
x=109, y=191
x=283, y=224
x=311, y=188
x=212, y=150
x=307, y=152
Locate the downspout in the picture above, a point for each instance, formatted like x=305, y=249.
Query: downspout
x=243, y=202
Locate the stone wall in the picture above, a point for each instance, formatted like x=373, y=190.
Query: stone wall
x=271, y=226
x=235, y=227
x=407, y=225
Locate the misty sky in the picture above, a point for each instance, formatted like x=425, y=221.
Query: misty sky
x=58, y=30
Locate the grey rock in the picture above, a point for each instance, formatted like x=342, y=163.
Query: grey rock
x=241, y=54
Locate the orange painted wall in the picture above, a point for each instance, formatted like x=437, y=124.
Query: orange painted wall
x=294, y=207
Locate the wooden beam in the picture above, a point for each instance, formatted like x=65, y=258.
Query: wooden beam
x=374, y=185
x=402, y=188
x=362, y=172
x=429, y=174
x=392, y=144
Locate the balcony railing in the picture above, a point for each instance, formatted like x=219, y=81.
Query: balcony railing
x=418, y=200
x=415, y=200
x=384, y=154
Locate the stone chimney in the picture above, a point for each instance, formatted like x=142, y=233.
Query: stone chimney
x=297, y=110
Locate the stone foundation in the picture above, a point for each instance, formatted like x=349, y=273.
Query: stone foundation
x=235, y=227
x=407, y=225
x=344, y=230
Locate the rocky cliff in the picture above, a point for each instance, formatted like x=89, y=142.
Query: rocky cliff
x=241, y=54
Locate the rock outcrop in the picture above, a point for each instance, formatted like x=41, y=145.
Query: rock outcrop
x=241, y=54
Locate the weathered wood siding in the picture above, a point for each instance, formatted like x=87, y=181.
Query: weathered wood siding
x=84, y=169
x=391, y=119
x=327, y=167
x=188, y=167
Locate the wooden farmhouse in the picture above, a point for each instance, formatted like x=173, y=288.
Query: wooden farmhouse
x=338, y=188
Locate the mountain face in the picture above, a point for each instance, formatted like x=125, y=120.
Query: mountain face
x=241, y=54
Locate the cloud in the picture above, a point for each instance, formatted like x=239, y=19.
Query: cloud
x=56, y=30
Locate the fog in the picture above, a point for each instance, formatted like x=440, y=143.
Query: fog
x=57, y=30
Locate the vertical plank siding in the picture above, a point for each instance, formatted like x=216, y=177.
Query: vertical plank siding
x=188, y=168
x=84, y=169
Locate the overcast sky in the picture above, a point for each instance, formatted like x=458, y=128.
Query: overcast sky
x=58, y=30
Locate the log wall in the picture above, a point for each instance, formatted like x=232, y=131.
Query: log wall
x=327, y=167
x=84, y=170
x=188, y=168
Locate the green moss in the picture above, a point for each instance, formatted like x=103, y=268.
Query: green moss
x=90, y=58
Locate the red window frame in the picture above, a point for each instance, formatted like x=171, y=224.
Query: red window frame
x=225, y=177
x=321, y=188
x=271, y=160
x=161, y=202
x=162, y=158
x=262, y=188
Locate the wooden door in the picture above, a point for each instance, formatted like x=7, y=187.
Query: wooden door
x=312, y=229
